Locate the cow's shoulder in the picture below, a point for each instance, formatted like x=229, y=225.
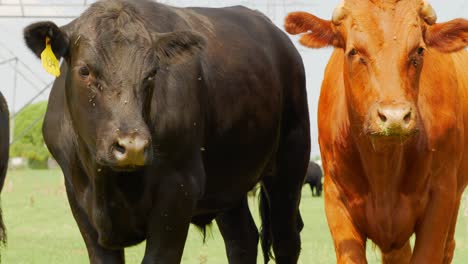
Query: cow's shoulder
x=57, y=129
x=333, y=119
x=440, y=101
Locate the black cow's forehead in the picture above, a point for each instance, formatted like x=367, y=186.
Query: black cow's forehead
x=112, y=36
x=116, y=61
x=113, y=21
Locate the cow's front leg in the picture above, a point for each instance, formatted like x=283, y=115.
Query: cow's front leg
x=433, y=229
x=97, y=253
x=350, y=243
x=239, y=233
x=174, y=203
x=450, y=243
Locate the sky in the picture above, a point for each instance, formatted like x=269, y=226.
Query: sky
x=31, y=78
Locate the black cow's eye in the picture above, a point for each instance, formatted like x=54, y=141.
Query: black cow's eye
x=84, y=71
x=151, y=75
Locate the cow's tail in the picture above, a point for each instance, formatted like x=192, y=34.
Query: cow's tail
x=3, y=236
x=265, y=231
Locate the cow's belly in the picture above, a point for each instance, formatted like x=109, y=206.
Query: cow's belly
x=226, y=187
x=121, y=238
x=120, y=229
x=232, y=170
x=391, y=224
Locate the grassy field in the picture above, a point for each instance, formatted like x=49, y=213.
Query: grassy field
x=41, y=228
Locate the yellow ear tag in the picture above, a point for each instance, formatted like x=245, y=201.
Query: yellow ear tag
x=49, y=61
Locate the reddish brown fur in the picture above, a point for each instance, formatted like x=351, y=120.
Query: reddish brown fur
x=320, y=32
x=448, y=37
x=387, y=188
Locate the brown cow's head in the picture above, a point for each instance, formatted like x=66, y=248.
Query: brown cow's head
x=112, y=61
x=384, y=44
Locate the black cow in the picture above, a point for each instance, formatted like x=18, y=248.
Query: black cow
x=164, y=116
x=4, y=152
x=314, y=178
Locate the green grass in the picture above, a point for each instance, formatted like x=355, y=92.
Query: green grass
x=41, y=228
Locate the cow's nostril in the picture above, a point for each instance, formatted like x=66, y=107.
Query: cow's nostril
x=407, y=117
x=382, y=117
x=131, y=151
x=119, y=148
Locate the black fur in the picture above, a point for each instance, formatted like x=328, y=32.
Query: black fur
x=35, y=38
x=314, y=178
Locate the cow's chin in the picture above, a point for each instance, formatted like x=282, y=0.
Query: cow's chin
x=128, y=168
x=392, y=136
x=382, y=140
x=113, y=166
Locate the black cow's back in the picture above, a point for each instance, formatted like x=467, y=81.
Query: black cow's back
x=253, y=79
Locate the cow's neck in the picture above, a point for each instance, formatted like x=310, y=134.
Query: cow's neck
x=98, y=178
x=383, y=169
x=109, y=195
x=391, y=168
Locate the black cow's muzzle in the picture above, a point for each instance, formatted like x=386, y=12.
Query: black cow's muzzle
x=129, y=152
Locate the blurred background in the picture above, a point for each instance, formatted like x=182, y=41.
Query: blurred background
x=40, y=226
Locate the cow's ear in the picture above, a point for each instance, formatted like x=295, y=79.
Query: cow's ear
x=35, y=37
x=450, y=36
x=177, y=46
x=319, y=33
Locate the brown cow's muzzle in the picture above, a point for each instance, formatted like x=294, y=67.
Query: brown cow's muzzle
x=131, y=151
x=394, y=119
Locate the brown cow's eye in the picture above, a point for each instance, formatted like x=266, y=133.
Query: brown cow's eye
x=84, y=71
x=352, y=52
x=416, y=61
x=420, y=51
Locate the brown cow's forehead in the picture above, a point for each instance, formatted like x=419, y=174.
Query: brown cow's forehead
x=388, y=4
x=376, y=24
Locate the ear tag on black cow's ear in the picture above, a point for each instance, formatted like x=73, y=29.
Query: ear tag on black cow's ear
x=49, y=61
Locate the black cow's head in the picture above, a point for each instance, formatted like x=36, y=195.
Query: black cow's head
x=112, y=59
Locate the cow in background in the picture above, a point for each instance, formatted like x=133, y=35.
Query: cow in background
x=393, y=127
x=314, y=178
x=166, y=116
